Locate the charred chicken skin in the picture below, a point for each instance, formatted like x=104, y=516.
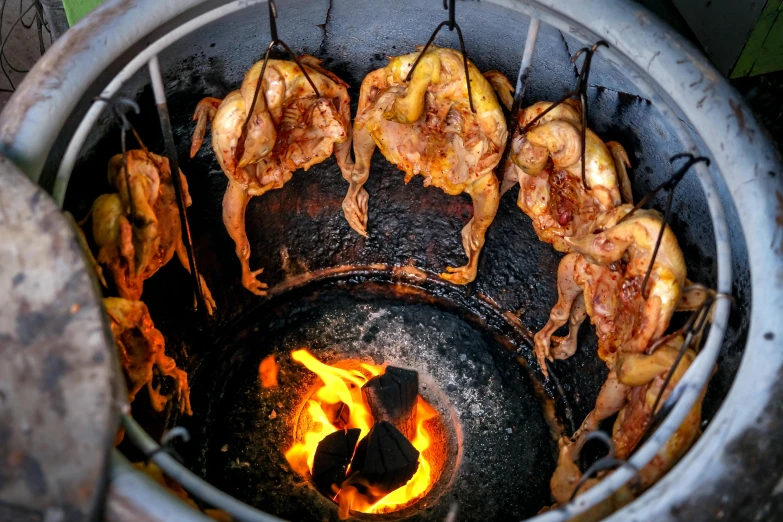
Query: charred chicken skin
x=546, y=161
x=137, y=230
x=290, y=128
x=141, y=349
x=644, y=375
x=426, y=127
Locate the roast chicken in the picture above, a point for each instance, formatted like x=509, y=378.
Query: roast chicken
x=137, y=229
x=290, y=127
x=602, y=279
x=425, y=127
x=645, y=376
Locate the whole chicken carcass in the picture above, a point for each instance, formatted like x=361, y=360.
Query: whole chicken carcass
x=290, y=127
x=628, y=322
x=546, y=161
x=426, y=127
x=141, y=349
x=137, y=230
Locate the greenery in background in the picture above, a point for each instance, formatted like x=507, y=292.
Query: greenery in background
x=763, y=51
x=75, y=10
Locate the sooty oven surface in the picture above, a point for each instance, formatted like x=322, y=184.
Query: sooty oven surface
x=500, y=459
x=370, y=314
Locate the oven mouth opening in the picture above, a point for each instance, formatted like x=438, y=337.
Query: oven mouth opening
x=491, y=428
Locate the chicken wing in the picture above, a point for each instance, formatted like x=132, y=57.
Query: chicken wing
x=426, y=127
x=289, y=128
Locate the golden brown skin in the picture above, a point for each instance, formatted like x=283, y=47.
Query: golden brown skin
x=113, y=237
x=645, y=376
x=141, y=348
x=290, y=129
x=137, y=235
x=606, y=271
x=602, y=278
x=139, y=192
x=546, y=161
x=426, y=128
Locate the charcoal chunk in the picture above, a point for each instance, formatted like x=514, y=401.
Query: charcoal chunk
x=332, y=457
x=384, y=461
x=392, y=397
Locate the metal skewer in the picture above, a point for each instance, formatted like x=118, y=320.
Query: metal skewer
x=179, y=191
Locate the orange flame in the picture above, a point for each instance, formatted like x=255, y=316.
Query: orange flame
x=267, y=372
x=342, y=386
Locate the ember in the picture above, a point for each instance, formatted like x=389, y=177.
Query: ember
x=366, y=436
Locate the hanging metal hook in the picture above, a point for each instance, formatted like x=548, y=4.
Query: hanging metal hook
x=580, y=94
x=167, y=441
x=240, y=149
x=117, y=105
x=608, y=462
x=273, y=20
x=691, y=329
x=669, y=185
x=452, y=24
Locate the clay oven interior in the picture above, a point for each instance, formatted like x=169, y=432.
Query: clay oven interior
x=341, y=295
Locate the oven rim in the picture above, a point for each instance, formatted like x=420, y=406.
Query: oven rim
x=637, y=38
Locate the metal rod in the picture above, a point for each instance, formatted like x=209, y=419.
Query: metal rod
x=451, y=6
x=524, y=69
x=273, y=20
x=171, y=152
x=519, y=91
x=191, y=482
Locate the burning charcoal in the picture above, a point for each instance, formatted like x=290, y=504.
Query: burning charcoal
x=332, y=457
x=392, y=398
x=384, y=461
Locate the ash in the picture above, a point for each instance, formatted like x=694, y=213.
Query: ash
x=502, y=454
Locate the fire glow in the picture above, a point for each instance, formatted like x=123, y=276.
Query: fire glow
x=338, y=404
